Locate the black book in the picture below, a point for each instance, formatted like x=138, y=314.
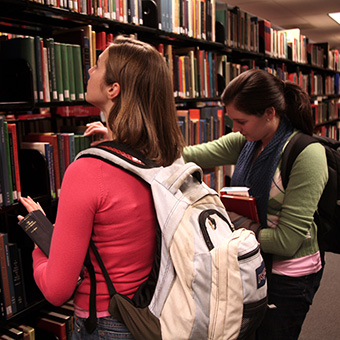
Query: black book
x=39, y=229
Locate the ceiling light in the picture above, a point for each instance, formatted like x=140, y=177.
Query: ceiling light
x=335, y=16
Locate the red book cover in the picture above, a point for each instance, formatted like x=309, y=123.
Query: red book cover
x=101, y=41
x=195, y=116
x=56, y=327
x=13, y=129
x=245, y=206
x=264, y=36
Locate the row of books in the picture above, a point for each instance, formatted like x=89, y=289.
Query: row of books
x=326, y=111
x=239, y=28
x=51, y=323
x=10, y=183
x=59, y=150
x=200, y=125
x=251, y=33
x=194, y=73
x=194, y=18
x=59, y=64
x=12, y=286
x=313, y=82
x=332, y=130
x=127, y=11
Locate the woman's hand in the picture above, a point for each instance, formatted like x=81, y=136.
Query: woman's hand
x=30, y=205
x=97, y=129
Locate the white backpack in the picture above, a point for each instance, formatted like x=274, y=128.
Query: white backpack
x=210, y=282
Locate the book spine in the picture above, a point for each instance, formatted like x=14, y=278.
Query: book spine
x=65, y=66
x=44, y=58
x=12, y=165
x=9, y=168
x=5, y=183
x=78, y=73
x=39, y=66
x=50, y=163
x=59, y=71
x=52, y=69
x=61, y=152
x=67, y=157
x=17, y=277
x=72, y=147
x=6, y=294
x=71, y=72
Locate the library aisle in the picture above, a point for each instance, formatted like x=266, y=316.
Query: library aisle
x=323, y=319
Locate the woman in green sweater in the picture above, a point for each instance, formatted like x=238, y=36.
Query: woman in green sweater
x=266, y=113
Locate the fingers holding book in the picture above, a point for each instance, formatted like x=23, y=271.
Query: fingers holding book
x=30, y=205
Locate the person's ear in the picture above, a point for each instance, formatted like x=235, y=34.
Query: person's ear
x=113, y=91
x=269, y=113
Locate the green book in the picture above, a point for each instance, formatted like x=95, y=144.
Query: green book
x=78, y=72
x=72, y=77
x=65, y=66
x=52, y=69
x=59, y=71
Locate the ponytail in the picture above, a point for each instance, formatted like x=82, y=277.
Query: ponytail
x=298, y=109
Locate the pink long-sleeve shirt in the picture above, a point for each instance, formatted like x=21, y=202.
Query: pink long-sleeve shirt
x=116, y=209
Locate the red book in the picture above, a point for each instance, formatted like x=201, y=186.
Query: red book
x=264, y=36
x=101, y=41
x=12, y=128
x=56, y=327
x=195, y=116
x=242, y=205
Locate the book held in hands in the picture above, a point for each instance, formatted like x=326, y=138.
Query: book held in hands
x=38, y=227
x=237, y=200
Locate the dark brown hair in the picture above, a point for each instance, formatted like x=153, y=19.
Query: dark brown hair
x=253, y=91
x=144, y=115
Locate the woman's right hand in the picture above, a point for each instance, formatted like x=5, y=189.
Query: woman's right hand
x=97, y=129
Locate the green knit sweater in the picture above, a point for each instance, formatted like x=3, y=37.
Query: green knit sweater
x=292, y=230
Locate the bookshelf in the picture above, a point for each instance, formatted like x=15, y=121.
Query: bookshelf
x=204, y=50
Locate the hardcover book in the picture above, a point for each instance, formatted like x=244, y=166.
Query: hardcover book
x=39, y=229
x=242, y=205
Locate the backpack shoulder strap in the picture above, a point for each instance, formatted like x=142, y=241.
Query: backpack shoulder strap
x=171, y=177
x=292, y=150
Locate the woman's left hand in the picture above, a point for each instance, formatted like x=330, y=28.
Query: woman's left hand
x=30, y=205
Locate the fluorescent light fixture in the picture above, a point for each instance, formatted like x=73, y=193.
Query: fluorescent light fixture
x=335, y=16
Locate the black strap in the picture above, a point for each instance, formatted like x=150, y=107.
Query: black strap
x=91, y=321
x=110, y=286
x=292, y=150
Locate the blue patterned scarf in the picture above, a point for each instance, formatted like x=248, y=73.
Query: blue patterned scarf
x=258, y=175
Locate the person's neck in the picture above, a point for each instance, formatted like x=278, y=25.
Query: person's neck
x=271, y=133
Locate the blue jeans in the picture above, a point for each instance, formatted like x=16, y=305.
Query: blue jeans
x=107, y=328
x=289, y=299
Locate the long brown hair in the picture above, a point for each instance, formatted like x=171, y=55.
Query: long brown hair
x=253, y=91
x=144, y=114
